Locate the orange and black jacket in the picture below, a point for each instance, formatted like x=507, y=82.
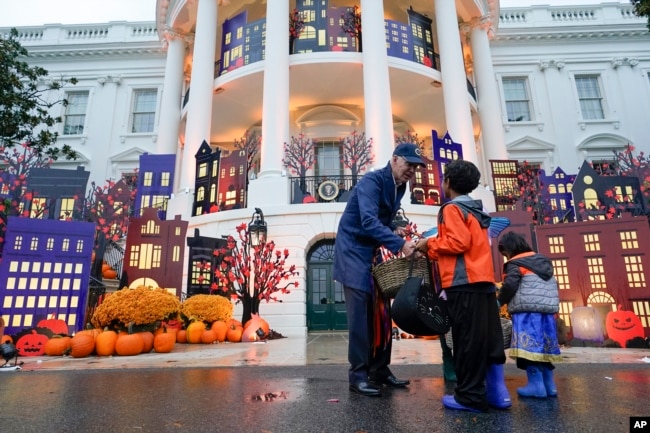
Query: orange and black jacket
x=462, y=247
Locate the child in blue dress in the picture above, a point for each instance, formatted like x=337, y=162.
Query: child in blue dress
x=531, y=292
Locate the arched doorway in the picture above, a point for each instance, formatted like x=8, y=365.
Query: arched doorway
x=325, y=301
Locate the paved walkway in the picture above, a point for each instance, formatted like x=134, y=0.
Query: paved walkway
x=314, y=349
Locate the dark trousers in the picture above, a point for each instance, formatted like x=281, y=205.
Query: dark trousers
x=478, y=342
x=366, y=359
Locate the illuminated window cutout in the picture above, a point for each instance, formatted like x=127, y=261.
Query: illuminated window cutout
x=36, y=267
x=67, y=268
x=66, y=283
x=18, y=244
x=45, y=284
x=66, y=245
x=56, y=283
x=72, y=319
x=74, y=303
x=592, y=242
x=50, y=244
x=176, y=254
x=177, y=231
x=157, y=254
x=565, y=312
x=7, y=302
x=33, y=283
x=634, y=269
x=20, y=302
x=47, y=268
x=556, y=244
x=629, y=240
x=642, y=310
x=561, y=272
x=601, y=298
x=596, y=272
x=31, y=301
x=28, y=320
x=76, y=284
x=78, y=268
x=24, y=267
x=34, y=244
x=42, y=301
x=53, y=302
x=63, y=302
x=11, y=283
x=58, y=268
x=80, y=246
x=22, y=283
x=13, y=267
x=16, y=320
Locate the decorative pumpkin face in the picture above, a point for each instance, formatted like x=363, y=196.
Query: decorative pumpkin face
x=623, y=326
x=32, y=343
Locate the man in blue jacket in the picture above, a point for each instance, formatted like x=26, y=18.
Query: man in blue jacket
x=366, y=224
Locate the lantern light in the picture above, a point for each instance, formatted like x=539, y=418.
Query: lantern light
x=400, y=219
x=257, y=229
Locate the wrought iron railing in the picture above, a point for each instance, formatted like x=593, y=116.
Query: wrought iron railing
x=114, y=256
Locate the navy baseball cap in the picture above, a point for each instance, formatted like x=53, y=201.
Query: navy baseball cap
x=410, y=152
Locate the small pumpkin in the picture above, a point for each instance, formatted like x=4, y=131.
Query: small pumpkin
x=220, y=330
x=82, y=345
x=105, y=267
x=105, y=343
x=181, y=336
x=234, y=333
x=164, y=341
x=147, y=338
x=57, y=345
x=194, y=331
x=257, y=322
x=93, y=332
x=623, y=326
x=208, y=336
x=110, y=274
x=129, y=344
x=6, y=339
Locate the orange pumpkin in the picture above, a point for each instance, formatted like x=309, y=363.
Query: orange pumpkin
x=181, y=336
x=109, y=274
x=233, y=321
x=220, y=330
x=6, y=339
x=194, y=332
x=623, y=326
x=82, y=345
x=105, y=267
x=129, y=344
x=57, y=345
x=93, y=332
x=208, y=336
x=105, y=343
x=164, y=342
x=234, y=333
x=147, y=338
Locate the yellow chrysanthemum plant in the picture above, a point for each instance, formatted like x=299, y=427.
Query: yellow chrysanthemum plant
x=145, y=307
x=206, y=308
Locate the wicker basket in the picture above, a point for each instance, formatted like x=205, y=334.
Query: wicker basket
x=390, y=275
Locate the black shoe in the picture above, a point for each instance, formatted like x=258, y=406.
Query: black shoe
x=365, y=388
x=392, y=381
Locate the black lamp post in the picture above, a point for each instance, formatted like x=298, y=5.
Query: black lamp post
x=257, y=229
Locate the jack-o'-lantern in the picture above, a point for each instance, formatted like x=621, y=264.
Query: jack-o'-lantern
x=31, y=342
x=623, y=326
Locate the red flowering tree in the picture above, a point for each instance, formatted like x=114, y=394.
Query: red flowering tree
x=109, y=207
x=299, y=156
x=351, y=24
x=265, y=265
x=296, y=25
x=356, y=153
x=635, y=165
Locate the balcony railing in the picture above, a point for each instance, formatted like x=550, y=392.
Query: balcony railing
x=321, y=189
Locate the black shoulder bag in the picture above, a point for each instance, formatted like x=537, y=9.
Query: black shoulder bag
x=418, y=308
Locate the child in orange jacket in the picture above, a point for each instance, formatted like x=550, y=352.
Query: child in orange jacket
x=462, y=250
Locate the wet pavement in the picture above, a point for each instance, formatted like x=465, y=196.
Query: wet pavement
x=299, y=384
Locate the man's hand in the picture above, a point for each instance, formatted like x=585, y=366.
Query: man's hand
x=400, y=231
x=408, y=248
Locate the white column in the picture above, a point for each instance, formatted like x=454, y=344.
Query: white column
x=272, y=187
x=199, y=112
x=454, y=81
x=275, y=105
x=489, y=109
x=376, y=83
x=170, y=104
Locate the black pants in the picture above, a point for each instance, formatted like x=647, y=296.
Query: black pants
x=478, y=342
x=366, y=359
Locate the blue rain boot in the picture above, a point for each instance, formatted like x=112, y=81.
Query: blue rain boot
x=535, y=387
x=495, y=384
x=450, y=402
x=549, y=383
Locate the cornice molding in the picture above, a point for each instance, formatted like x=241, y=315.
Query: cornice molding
x=553, y=34
x=100, y=52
